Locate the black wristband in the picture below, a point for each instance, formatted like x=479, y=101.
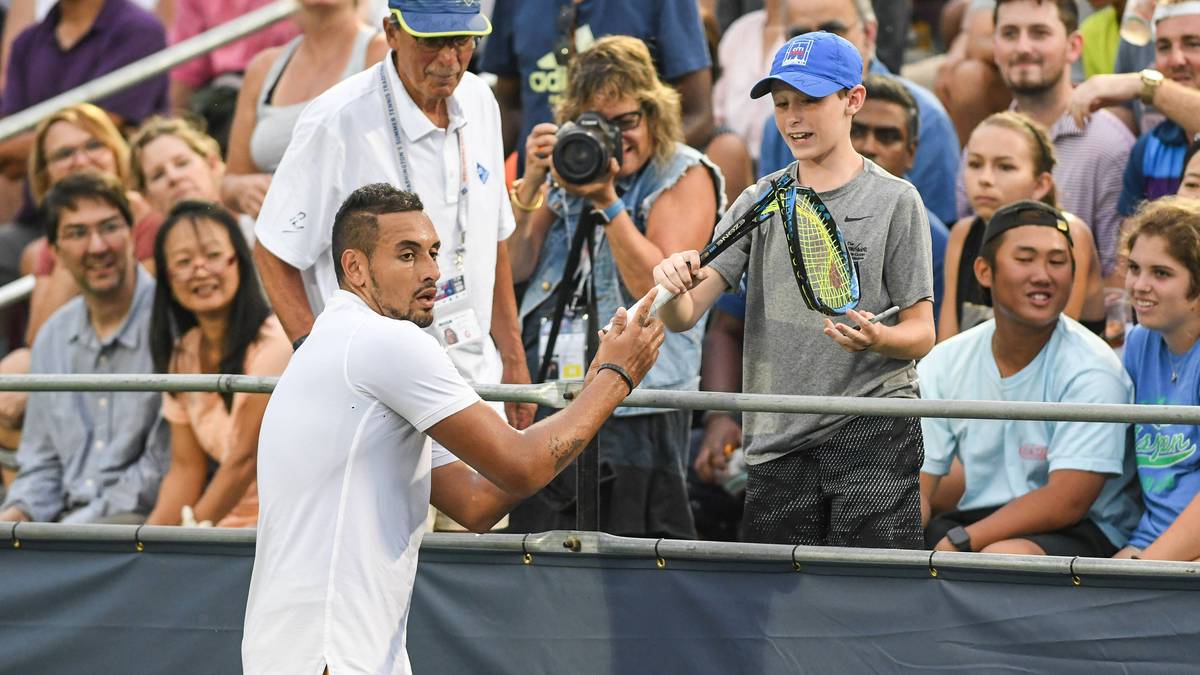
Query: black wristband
x=299, y=341
x=624, y=374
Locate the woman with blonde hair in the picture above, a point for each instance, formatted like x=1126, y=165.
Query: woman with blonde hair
x=661, y=198
x=1009, y=157
x=78, y=138
x=172, y=160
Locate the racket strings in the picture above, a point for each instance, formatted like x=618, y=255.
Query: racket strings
x=820, y=259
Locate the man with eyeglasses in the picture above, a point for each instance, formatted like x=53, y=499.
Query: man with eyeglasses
x=418, y=121
x=92, y=457
x=886, y=130
x=936, y=162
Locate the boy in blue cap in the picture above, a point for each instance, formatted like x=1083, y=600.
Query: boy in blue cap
x=836, y=480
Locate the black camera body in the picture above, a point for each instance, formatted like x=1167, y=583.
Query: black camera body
x=583, y=148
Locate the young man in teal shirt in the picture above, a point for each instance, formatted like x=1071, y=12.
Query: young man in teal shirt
x=1033, y=488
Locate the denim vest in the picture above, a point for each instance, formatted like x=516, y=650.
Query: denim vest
x=678, y=365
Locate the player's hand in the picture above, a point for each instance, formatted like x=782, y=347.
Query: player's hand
x=722, y=435
x=680, y=272
x=631, y=342
x=1102, y=91
x=853, y=339
x=539, y=147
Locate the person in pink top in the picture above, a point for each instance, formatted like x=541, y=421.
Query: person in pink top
x=209, y=84
x=210, y=316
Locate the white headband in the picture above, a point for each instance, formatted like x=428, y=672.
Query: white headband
x=1188, y=8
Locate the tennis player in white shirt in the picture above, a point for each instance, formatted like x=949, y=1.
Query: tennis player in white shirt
x=345, y=468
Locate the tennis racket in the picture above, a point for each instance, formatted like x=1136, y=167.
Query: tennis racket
x=825, y=272
x=770, y=202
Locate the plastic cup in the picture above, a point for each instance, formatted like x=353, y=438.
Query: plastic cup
x=1136, y=26
x=1117, y=315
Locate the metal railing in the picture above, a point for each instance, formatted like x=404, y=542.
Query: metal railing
x=559, y=394
x=149, y=66
x=567, y=543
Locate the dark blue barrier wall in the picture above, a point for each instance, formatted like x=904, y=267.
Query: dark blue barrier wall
x=80, y=600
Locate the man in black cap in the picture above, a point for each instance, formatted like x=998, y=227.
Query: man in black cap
x=1034, y=488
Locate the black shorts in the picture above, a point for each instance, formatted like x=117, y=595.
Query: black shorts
x=1084, y=538
x=858, y=488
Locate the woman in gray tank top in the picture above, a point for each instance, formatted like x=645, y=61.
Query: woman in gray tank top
x=333, y=44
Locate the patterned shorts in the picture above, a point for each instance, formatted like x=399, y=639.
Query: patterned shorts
x=858, y=488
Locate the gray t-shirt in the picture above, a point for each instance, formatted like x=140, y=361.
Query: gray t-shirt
x=786, y=352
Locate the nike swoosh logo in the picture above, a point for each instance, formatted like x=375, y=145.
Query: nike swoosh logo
x=848, y=219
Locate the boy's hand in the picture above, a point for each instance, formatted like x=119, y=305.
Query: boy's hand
x=680, y=272
x=852, y=339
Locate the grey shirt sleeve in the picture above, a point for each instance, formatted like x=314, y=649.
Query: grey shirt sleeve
x=908, y=262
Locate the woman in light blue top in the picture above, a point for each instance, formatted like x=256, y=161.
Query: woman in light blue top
x=1162, y=355
x=333, y=44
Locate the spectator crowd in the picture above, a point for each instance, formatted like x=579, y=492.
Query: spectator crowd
x=1014, y=176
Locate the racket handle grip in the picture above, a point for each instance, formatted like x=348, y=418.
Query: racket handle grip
x=663, y=297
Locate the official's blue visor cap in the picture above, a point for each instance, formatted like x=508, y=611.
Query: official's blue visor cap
x=817, y=64
x=440, y=18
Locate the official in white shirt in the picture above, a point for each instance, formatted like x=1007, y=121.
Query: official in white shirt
x=345, y=467
x=420, y=121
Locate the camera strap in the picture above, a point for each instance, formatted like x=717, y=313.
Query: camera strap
x=393, y=117
x=568, y=291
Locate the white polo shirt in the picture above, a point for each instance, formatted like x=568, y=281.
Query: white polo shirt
x=343, y=483
x=342, y=142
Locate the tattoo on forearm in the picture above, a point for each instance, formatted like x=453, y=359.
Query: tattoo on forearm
x=563, y=451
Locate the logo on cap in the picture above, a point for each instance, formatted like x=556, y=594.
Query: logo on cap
x=797, y=53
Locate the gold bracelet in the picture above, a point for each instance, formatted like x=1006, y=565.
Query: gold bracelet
x=516, y=201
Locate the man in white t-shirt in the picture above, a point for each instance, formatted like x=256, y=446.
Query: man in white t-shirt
x=346, y=471
x=420, y=121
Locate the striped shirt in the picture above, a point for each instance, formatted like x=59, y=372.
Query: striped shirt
x=1155, y=166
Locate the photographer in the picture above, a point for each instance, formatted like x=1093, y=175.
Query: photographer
x=645, y=196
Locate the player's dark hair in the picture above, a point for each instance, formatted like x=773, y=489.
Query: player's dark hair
x=169, y=320
x=84, y=185
x=884, y=88
x=356, y=225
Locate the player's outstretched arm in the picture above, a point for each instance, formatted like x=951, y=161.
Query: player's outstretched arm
x=515, y=464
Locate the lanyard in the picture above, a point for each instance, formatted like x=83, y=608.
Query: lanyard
x=460, y=221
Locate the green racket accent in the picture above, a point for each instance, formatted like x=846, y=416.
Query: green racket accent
x=825, y=272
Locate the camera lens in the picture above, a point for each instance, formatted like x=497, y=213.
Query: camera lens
x=577, y=158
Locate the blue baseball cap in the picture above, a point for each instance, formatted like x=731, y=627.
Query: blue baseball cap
x=439, y=18
x=817, y=64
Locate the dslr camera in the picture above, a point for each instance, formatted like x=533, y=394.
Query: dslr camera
x=583, y=148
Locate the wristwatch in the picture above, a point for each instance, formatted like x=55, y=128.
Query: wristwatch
x=609, y=214
x=961, y=540
x=1151, y=79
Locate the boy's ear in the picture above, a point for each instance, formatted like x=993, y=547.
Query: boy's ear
x=855, y=100
x=983, y=273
